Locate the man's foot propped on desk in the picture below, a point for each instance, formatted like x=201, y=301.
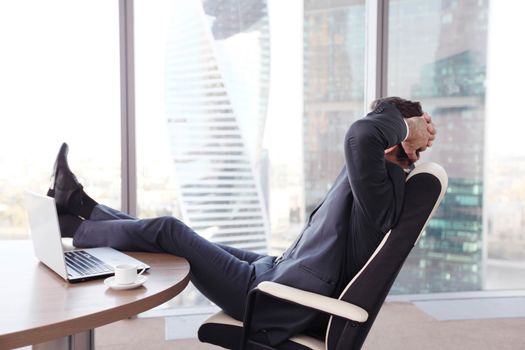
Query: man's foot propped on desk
x=69, y=194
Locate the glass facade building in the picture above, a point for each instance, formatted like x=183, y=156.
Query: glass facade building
x=333, y=55
x=437, y=55
x=216, y=96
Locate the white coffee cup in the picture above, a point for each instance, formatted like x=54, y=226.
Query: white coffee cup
x=127, y=274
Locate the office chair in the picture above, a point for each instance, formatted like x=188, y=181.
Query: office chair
x=354, y=312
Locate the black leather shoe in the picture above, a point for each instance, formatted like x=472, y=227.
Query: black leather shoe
x=69, y=224
x=61, y=156
x=66, y=189
x=68, y=192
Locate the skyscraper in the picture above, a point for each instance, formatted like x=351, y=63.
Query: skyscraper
x=451, y=88
x=437, y=55
x=334, y=39
x=216, y=93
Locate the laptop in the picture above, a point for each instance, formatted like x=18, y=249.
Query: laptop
x=74, y=265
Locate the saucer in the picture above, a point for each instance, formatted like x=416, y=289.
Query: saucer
x=110, y=282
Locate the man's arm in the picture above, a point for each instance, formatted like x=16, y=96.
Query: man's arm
x=365, y=145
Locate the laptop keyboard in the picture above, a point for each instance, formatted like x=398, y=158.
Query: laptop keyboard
x=86, y=264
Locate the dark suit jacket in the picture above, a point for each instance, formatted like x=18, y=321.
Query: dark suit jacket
x=343, y=231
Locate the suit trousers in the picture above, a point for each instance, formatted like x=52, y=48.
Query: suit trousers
x=222, y=273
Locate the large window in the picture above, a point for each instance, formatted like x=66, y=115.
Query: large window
x=241, y=108
x=202, y=72
x=437, y=55
x=223, y=141
x=59, y=81
x=456, y=58
x=504, y=187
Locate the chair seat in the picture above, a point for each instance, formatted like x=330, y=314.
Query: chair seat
x=223, y=330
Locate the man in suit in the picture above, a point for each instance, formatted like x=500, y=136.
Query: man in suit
x=338, y=238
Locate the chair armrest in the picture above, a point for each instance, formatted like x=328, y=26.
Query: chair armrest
x=297, y=296
x=315, y=301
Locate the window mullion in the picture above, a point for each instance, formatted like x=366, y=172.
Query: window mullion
x=127, y=91
x=376, y=50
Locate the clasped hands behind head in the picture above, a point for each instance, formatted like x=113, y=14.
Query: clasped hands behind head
x=422, y=133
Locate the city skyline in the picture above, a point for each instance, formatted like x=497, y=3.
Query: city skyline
x=331, y=103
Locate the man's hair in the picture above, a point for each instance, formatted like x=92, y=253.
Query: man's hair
x=407, y=108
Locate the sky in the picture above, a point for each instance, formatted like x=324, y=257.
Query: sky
x=505, y=124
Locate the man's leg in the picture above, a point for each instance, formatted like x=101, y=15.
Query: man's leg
x=240, y=254
x=218, y=274
x=103, y=212
x=70, y=223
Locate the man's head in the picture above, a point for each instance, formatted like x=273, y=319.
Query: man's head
x=408, y=109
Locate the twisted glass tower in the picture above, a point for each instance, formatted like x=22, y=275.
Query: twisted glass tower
x=217, y=72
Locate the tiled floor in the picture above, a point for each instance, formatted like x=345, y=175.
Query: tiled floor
x=399, y=325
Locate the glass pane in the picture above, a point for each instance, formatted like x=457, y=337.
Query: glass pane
x=304, y=165
x=505, y=155
x=438, y=56
x=59, y=72
x=334, y=46
x=202, y=74
x=223, y=142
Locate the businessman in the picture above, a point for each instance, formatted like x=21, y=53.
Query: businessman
x=338, y=238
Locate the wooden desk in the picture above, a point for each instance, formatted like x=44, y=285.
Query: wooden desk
x=37, y=305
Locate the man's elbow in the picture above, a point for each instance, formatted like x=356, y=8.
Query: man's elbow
x=360, y=133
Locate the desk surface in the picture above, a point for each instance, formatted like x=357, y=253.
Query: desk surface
x=37, y=305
